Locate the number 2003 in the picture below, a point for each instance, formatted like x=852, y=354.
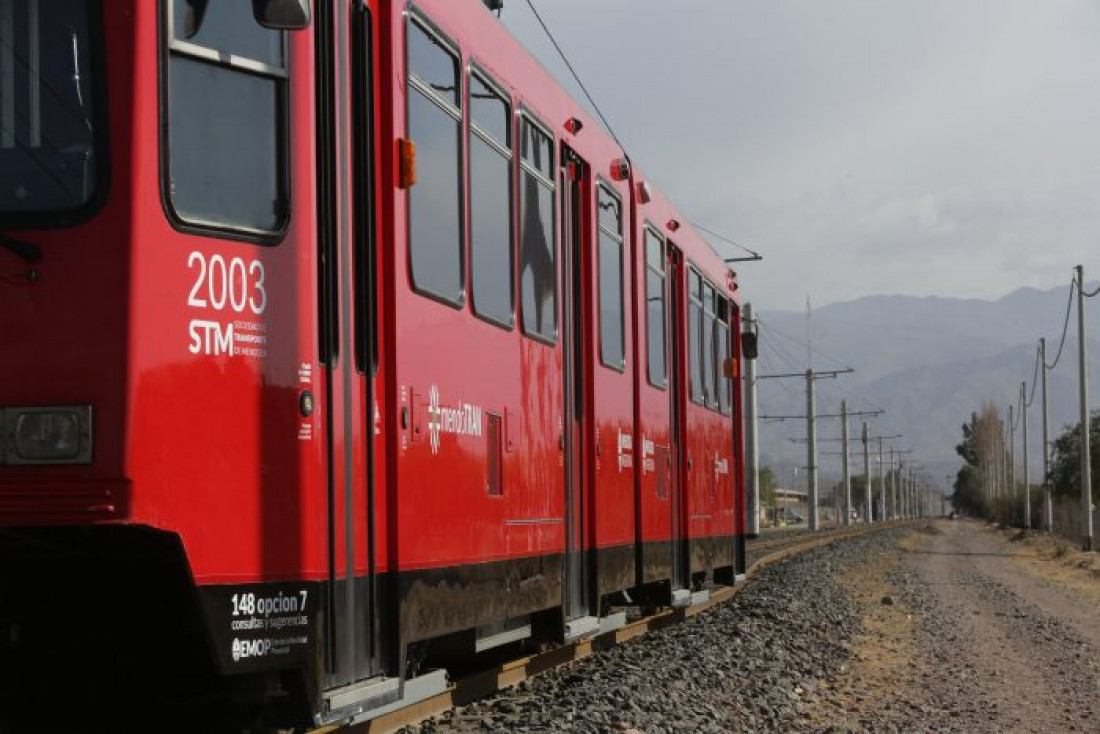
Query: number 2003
x=238, y=284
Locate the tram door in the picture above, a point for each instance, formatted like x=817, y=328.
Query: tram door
x=348, y=345
x=574, y=182
x=676, y=341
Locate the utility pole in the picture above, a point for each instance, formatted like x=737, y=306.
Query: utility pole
x=847, y=470
x=1004, y=466
x=1027, y=474
x=1086, y=461
x=901, y=489
x=893, y=488
x=811, y=451
x=1011, y=480
x=811, y=433
x=867, y=473
x=913, y=490
x=882, y=485
x=752, y=444
x=1048, y=504
x=908, y=484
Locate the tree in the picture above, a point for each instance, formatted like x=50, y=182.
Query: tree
x=767, y=487
x=1065, y=465
x=982, y=448
x=968, y=490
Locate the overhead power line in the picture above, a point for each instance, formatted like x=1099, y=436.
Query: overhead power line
x=1034, y=379
x=576, y=77
x=1065, y=326
x=607, y=124
x=804, y=345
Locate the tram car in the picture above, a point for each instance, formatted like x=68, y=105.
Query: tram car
x=336, y=339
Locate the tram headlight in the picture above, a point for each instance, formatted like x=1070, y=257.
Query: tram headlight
x=47, y=435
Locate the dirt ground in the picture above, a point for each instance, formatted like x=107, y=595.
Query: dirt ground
x=971, y=629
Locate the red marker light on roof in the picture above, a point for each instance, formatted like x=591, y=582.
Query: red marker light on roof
x=620, y=169
x=573, y=126
x=673, y=225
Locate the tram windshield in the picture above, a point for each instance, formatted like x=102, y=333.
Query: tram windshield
x=48, y=160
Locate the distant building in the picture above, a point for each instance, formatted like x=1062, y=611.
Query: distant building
x=791, y=506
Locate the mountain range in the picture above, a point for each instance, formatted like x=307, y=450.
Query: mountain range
x=928, y=362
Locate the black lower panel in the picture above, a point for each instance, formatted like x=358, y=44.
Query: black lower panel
x=656, y=561
x=614, y=569
x=439, y=601
x=707, y=554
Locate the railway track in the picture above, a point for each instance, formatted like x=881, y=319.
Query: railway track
x=763, y=551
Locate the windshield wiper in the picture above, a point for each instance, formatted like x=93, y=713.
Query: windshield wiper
x=28, y=251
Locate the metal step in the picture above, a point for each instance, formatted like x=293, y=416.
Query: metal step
x=352, y=699
x=612, y=622
x=575, y=629
x=681, y=597
x=376, y=697
x=488, y=641
x=700, y=596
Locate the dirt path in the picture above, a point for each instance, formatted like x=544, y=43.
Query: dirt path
x=972, y=641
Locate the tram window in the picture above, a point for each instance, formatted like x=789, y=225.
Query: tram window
x=490, y=203
x=655, y=309
x=490, y=112
x=538, y=150
x=611, y=279
x=433, y=65
x=435, y=126
x=225, y=26
x=538, y=290
x=695, y=336
x=51, y=136
x=722, y=353
x=707, y=357
x=226, y=119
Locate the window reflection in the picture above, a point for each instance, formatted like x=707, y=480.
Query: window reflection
x=695, y=336
x=537, y=277
x=47, y=133
x=435, y=211
x=490, y=204
x=611, y=279
x=655, y=309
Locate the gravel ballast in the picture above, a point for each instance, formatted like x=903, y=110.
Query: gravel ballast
x=747, y=665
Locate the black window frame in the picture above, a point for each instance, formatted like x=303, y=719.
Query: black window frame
x=723, y=386
x=705, y=359
x=650, y=229
x=169, y=45
x=603, y=185
x=428, y=27
x=695, y=350
x=474, y=69
x=525, y=115
x=102, y=181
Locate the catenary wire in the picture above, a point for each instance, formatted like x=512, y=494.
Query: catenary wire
x=803, y=344
x=1065, y=326
x=1034, y=379
x=576, y=77
x=607, y=124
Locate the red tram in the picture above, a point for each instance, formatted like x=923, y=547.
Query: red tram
x=334, y=339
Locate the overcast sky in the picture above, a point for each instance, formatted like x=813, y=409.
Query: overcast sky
x=926, y=147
